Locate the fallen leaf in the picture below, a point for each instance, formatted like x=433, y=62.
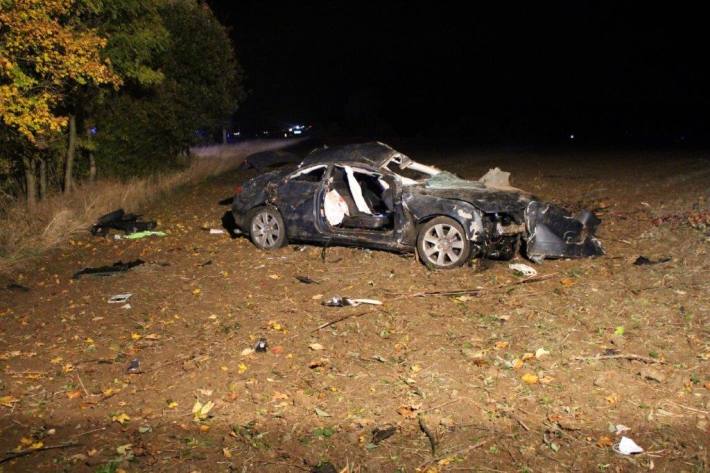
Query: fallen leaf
x=530, y=378
x=277, y=350
x=619, y=330
x=136, y=336
x=315, y=346
x=242, y=368
x=152, y=336
x=317, y=297
x=528, y=356
x=322, y=413
x=274, y=276
x=275, y=325
x=247, y=352
x=568, y=282
x=226, y=453
x=8, y=401
x=172, y=404
x=517, y=363
x=605, y=441
x=200, y=411
x=74, y=394
x=612, y=398
x=121, y=418
x=540, y=352
x=196, y=291
x=501, y=344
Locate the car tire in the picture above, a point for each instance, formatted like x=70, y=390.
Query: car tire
x=442, y=243
x=266, y=228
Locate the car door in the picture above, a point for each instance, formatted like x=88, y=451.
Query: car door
x=297, y=196
x=361, y=236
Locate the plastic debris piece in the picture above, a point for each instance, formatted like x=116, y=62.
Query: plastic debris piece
x=134, y=367
x=261, y=346
x=626, y=446
x=216, y=231
x=120, y=220
x=524, y=269
x=338, y=301
x=120, y=298
x=643, y=261
x=143, y=234
x=383, y=433
x=306, y=280
x=620, y=429
x=118, y=267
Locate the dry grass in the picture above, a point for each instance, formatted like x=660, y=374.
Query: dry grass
x=25, y=234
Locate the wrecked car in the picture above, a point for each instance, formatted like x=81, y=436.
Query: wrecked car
x=370, y=195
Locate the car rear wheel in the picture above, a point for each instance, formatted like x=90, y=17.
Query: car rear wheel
x=266, y=228
x=442, y=243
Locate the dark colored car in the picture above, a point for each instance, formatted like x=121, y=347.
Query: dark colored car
x=370, y=195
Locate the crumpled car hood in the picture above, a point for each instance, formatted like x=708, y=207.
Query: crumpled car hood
x=484, y=198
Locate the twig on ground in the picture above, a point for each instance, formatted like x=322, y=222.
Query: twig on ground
x=427, y=431
x=82, y=385
x=461, y=451
x=474, y=291
x=332, y=322
x=23, y=453
x=628, y=356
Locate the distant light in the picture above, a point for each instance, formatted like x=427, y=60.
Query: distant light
x=92, y=130
x=571, y=136
x=297, y=131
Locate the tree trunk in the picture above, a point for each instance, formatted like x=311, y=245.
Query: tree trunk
x=31, y=182
x=71, y=152
x=92, y=160
x=43, y=178
x=92, y=168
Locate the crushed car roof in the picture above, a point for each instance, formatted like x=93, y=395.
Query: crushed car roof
x=374, y=154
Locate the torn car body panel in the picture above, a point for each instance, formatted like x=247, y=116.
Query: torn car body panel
x=371, y=195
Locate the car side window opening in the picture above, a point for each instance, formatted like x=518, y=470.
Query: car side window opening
x=312, y=174
x=359, y=199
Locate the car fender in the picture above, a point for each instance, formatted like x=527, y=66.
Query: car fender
x=468, y=216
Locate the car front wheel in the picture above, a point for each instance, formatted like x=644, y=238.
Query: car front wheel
x=442, y=243
x=266, y=228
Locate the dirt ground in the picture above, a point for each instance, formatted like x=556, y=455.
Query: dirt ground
x=502, y=380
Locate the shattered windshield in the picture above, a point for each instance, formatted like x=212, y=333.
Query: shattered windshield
x=447, y=180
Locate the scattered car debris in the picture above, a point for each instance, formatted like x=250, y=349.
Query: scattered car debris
x=523, y=269
x=338, y=301
x=120, y=298
x=306, y=280
x=118, y=267
x=13, y=286
x=358, y=195
x=120, y=220
x=134, y=367
x=261, y=346
x=644, y=261
x=627, y=446
x=143, y=234
x=383, y=433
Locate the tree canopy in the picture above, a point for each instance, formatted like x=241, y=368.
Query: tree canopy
x=129, y=82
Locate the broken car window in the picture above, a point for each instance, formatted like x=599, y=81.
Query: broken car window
x=314, y=174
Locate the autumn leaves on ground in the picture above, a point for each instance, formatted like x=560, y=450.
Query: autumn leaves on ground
x=536, y=377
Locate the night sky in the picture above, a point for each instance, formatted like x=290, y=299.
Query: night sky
x=622, y=71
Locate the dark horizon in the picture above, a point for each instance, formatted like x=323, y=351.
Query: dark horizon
x=603, y=73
